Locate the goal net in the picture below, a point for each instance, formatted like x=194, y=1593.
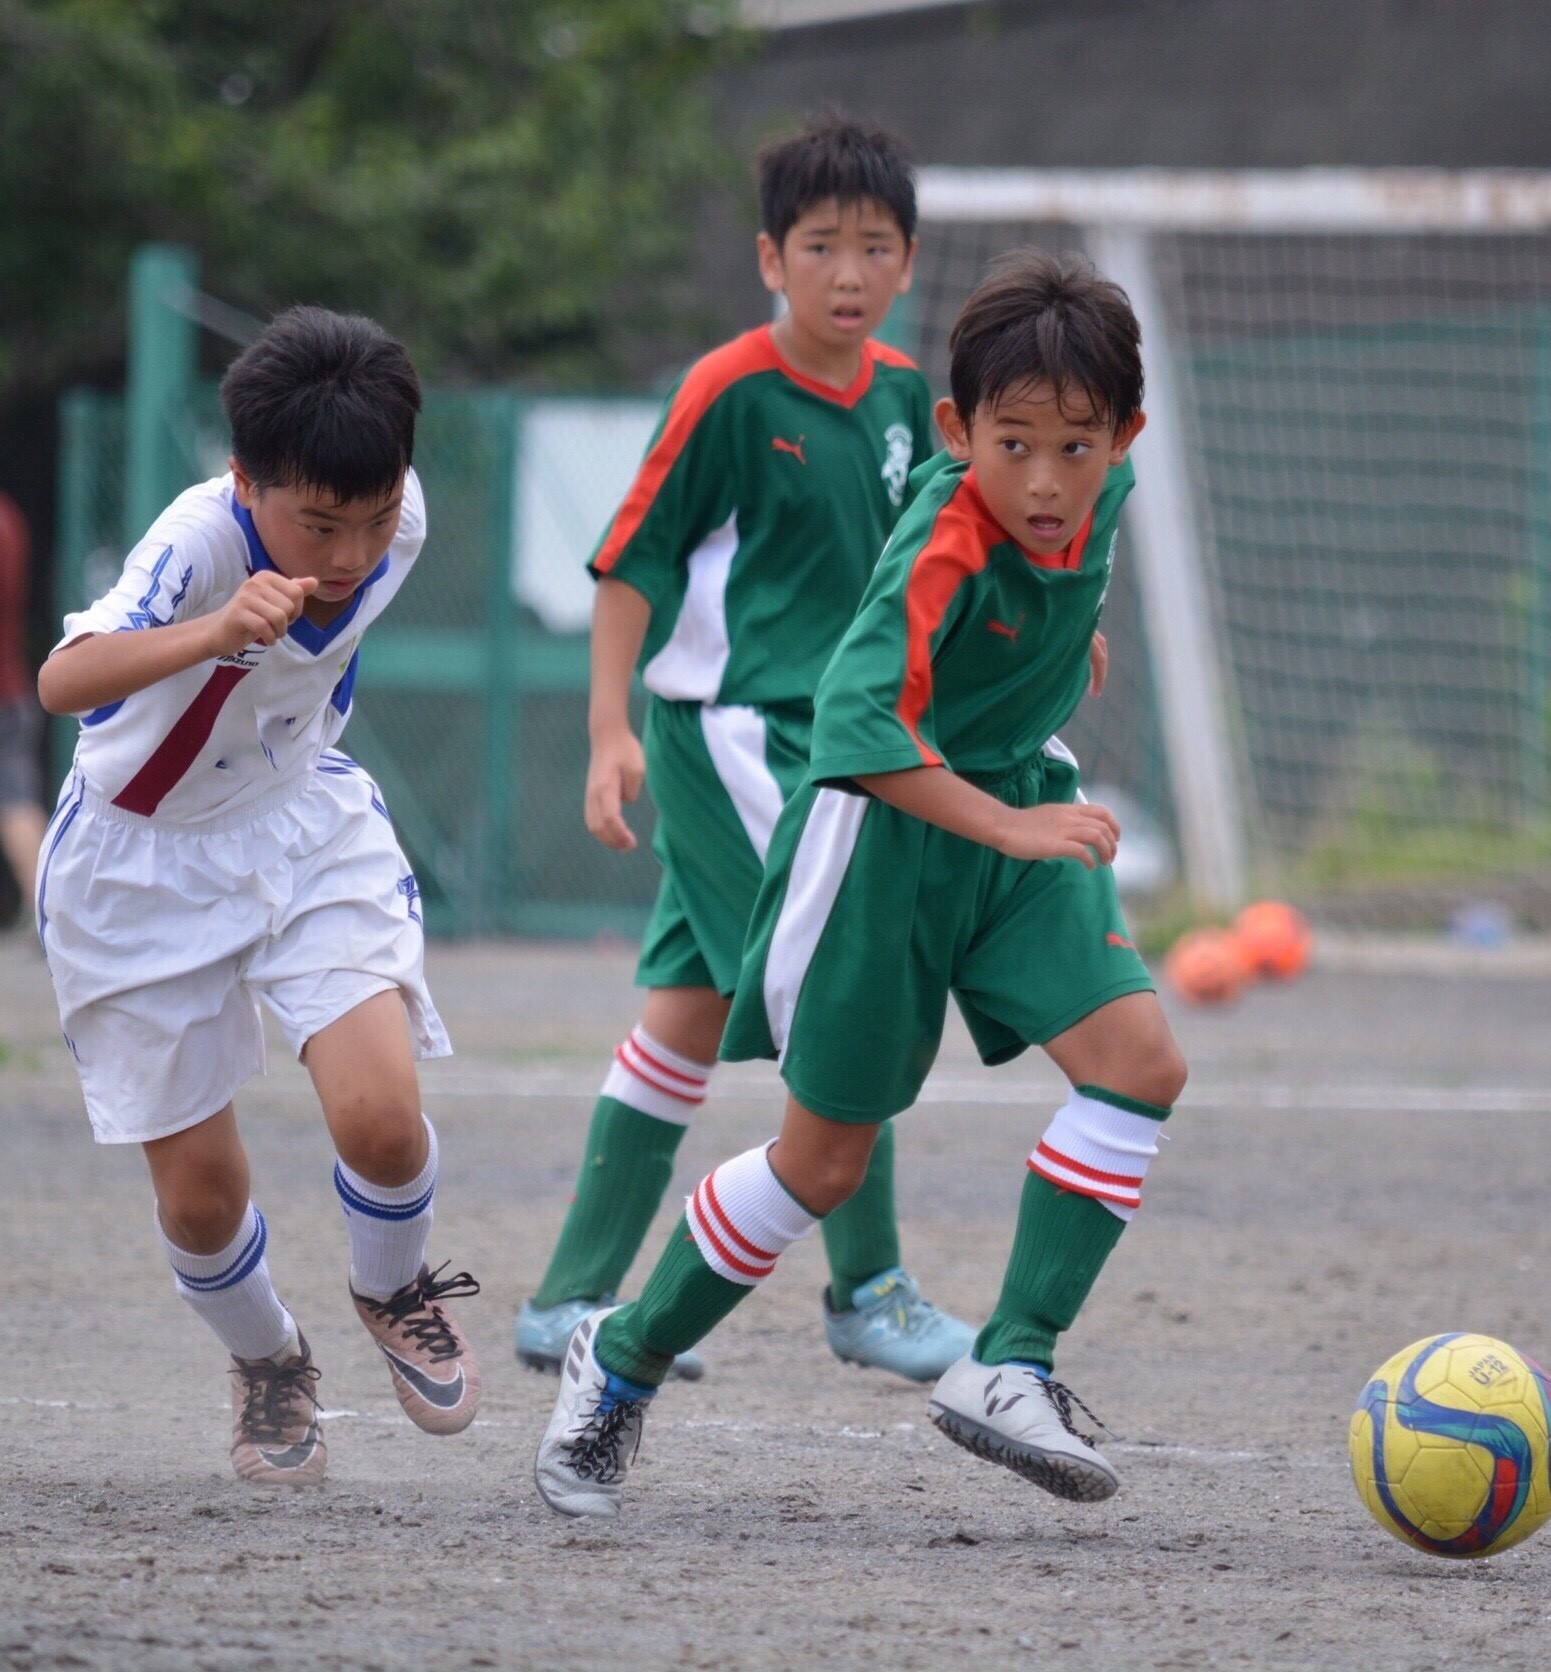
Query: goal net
x=1332, y=621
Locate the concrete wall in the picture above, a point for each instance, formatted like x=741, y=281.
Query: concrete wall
x=1178, y=83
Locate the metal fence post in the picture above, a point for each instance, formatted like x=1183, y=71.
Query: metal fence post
x=158, y=446
x=497, y=872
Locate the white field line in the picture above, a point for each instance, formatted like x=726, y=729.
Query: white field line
x=1248, y=1095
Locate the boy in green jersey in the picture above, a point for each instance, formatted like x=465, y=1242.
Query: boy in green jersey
x=939, y=844
x=729, y=573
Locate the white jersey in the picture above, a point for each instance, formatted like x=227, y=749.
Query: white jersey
x=210, y=740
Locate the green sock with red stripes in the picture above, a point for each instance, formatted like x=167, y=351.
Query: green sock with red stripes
x=624, y=1175
x=1060, y=1247
x=683, y=1301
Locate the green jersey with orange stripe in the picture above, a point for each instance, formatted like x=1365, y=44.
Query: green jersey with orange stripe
x=967, y=651
x=758, y=515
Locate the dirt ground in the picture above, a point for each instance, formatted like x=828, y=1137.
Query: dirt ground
x=1360, y=1160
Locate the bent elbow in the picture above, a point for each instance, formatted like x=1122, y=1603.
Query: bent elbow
x=51, y=694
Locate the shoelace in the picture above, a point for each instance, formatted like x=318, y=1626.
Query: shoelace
x=1062, y=1397
x=432, y=1331
x=594, y=1453
x=270, y=1394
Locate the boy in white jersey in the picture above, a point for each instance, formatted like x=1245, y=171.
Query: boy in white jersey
x=212, y=848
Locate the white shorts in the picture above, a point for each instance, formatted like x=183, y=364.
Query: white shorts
x=161, y=938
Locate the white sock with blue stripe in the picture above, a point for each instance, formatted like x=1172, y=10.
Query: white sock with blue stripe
x=389, y=1225
x=232, y=1290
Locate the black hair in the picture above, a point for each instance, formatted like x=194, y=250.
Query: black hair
x=834, y=157
x=323, y=400
x=1047, y=319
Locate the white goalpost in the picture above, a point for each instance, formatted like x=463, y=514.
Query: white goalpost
x=1341, y=536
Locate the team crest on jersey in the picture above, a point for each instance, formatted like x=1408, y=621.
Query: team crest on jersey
x=896, y=464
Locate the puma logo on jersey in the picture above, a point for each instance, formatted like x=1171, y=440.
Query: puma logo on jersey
x=779, y=445
x=1006, y=632
x=1112, y=939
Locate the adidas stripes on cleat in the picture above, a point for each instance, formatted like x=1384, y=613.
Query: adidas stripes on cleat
x=1010, y=1414
x=276, y=1438
x=434, y=1372
x=594, y=1433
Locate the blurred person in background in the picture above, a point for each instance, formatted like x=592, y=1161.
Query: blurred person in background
x=22, y=818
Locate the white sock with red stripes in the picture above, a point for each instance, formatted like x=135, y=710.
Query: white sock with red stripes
x=743, y=1218
x=1100, y=1145
x=647, y=1076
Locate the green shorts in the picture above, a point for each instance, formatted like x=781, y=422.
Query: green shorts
x=719, y=777
x=868, y=918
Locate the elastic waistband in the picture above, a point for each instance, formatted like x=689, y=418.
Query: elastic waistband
x=236, y=818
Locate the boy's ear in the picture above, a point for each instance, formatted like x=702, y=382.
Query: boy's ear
x=1124, y=436
x=772, y=269
x=243, y=482
x=908, y=272
x=955, y=433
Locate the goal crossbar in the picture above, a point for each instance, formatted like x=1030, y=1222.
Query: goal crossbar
x=1247, y=200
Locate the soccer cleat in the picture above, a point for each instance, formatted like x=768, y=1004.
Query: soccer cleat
x=1010, y=1414
x=544, y=1331
x=890, y=1326
x=276, y=1438
x=434, y=1371
x=594, y=1433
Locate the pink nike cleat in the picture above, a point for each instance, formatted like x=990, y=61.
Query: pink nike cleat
x=434, y=1373
x=276, y=1438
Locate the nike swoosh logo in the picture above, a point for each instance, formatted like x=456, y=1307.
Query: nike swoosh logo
x=293, y=1456
x=446, y=1396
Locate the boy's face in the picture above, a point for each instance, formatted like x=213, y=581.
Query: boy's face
x=841, y=268
x=1039, y=462
x=307, y=532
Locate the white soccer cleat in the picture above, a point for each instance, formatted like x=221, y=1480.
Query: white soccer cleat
x=1009, y=1414
x=594, y=1433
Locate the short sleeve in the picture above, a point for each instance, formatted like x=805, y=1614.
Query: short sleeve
x=683, y=490
x=166, y=578
x=874, y=710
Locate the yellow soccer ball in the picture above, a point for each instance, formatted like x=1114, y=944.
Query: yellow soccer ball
x=1449, y=1445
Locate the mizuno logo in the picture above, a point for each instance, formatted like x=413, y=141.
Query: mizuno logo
x=446, y=1396
x=779, y=445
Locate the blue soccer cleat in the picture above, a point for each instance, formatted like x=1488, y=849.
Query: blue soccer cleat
x=543, y=1333
x=891, y=1327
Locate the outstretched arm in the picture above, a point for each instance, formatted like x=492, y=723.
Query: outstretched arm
x=1052, y=830
x=107, y=667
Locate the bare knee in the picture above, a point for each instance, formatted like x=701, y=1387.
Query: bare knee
x=1158, y=1073
x=821, y=1162
x=688, y=1020
x=830, y=1182
x=201, y=1213
x=383, y=1139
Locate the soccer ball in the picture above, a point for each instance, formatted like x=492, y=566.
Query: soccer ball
x=1274, y=940
x=1205, y=966
x=1449, y=1445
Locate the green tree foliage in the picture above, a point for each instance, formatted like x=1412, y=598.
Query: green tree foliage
x=507, y=183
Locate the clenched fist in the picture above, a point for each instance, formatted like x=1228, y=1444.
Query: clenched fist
x=263, y=607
